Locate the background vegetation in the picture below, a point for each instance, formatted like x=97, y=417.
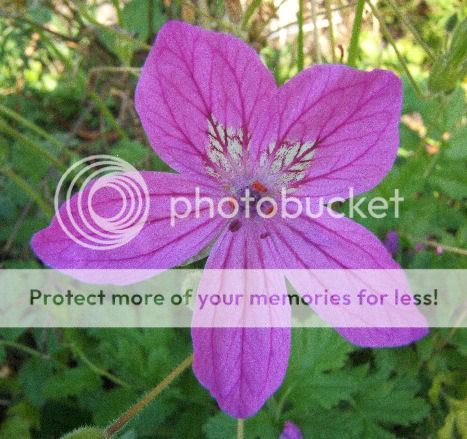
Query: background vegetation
x=67, y=75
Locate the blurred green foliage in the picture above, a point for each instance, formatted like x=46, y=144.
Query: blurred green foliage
x=66, y=88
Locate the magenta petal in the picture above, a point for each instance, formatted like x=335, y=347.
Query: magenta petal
x=157, y=245
x=382, y=337
x=351, y=116
x=241, y=367
x=339, y=243
x=190, y=77
x=291, y=431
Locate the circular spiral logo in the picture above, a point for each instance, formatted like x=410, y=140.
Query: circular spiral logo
x=112, y=204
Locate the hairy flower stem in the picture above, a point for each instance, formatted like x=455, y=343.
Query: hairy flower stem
x=240, y=428
x=148, y=398
x=357, y=27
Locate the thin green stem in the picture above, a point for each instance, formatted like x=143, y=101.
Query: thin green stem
x=316, y=44
x=38, y=26
x=148, y=398
x=250, y=10
x=38, y=148
x=332, y=41
x=26, y=349
x=356, y=29
x=99, y=371
x=240, y=428
x=118, y=10
x=435, y=244
x=408, y=24
x=305, y=18
x=109, y=117
x=28, y=190
x=300, y=53
x=114, y=69
x=388, y=36
x=30, y=125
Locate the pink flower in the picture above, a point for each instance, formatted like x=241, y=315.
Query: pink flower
x=291, y=431
x=212, y=111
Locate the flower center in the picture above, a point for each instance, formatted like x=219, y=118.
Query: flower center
x=251, y=201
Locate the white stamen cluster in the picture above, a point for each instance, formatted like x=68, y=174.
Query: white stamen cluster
x=224, y=149
x=285, y=164
x=289, y=162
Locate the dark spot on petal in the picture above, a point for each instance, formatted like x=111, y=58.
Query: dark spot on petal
x=235, y=225
x=264, y=235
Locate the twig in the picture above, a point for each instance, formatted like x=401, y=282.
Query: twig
x=388, y=36
x=39, y=26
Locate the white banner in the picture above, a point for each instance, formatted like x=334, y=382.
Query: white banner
x=233, y=298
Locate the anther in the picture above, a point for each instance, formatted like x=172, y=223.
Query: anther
x=259, y=187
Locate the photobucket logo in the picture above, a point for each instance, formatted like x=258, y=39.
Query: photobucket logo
x=289, y=207
x=107, y=220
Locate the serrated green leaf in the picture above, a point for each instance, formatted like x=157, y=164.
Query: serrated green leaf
x=220, y=426
x=131, y=151
x=32, y=377
x=71, y=382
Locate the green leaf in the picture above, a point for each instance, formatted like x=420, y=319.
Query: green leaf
x=143, y=18
x=32, y=377
x=71, y=382
x=450, y=179
x=20, y=420
x=131, y=151
x=457, y=149
x=318, y=350
x=221, y=426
